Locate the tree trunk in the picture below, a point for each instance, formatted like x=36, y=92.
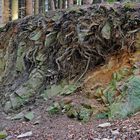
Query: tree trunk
x=5, y=11
x=46, y=5
x=29, y=7
x=52, y=5
x=87, y=1
x=1, y=2
x=64, y=4
x=43, y=6
x=14, y=9
x=60, y=3
x=79, y=2
x=36, y=7
x=70, y=3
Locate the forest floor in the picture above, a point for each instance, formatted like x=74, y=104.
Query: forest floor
x=60, y=127
x=43, y=126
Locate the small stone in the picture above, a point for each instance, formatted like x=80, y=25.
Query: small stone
x=36, y=122
x=138, y=130
x=18, y=116
x=7, y=106
x=24, y=135
x=29, y=116
x=16, y=101
x=9, y=138
x=104, y=125
x=115, y=132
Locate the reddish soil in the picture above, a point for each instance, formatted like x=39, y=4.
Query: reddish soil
x=102, y=76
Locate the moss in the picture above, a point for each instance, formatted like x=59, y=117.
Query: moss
x=54, y=109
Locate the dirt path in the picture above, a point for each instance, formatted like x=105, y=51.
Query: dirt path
x=60, y=127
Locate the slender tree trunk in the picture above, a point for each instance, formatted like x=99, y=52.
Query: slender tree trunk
x=22, y=8
x=1, y=2
x=60, y=4
x=5, y=11
x=43, y=6
x=63, y=4
x=46, y=5
x=14, y=9
x=70, y=3
x=29, y=7
x=79, y=2
x=52, y=5
x=36, y=7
